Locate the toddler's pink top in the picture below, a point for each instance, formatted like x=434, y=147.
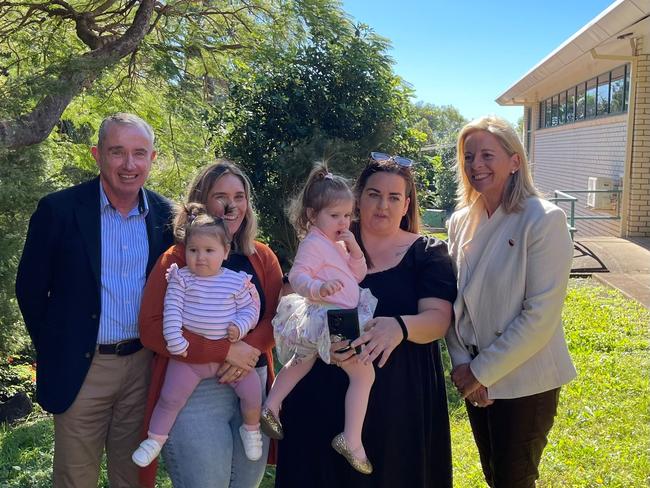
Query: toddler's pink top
x=318, y=260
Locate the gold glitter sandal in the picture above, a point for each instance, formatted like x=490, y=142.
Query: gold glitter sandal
x=270, y=424
x=341, y=446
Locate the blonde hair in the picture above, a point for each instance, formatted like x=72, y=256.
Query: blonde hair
x=321, y=190
x=243, y=241
x=521, y=184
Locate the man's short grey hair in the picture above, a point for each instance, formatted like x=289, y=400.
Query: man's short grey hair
x=123, y=118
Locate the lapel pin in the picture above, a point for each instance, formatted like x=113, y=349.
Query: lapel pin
x=511, y=242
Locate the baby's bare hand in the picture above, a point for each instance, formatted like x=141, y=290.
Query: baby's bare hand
x=346, y=236
x=330, y=287
x=350, y=242
x=233, y=333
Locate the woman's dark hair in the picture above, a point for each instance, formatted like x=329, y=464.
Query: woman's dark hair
x=411, y=221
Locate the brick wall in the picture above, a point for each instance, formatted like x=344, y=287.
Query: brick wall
x=638, y=215
x=529, y=145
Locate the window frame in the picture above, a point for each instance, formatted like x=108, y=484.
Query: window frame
x=552, y=115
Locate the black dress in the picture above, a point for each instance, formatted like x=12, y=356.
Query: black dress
x=406, y=431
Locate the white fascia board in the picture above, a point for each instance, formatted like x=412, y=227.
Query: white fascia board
x=603, y=29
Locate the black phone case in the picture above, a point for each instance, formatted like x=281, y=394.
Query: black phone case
x=345, y=324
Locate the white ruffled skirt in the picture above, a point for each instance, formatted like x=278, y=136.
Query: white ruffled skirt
x=300, y=325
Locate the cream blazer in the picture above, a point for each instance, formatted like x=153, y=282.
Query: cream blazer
x=514, y=295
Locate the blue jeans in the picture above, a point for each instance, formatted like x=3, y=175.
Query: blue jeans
x=204, y=449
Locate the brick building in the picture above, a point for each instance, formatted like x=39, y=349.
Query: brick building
x=587, y=121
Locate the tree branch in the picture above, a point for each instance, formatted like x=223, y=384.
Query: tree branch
x=105, y=6
x=78, y=73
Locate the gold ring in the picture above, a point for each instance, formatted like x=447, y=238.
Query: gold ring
x=475, y=404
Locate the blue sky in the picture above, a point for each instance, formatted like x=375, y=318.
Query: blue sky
x=468, y=52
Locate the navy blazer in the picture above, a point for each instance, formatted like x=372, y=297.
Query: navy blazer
x=58, y=285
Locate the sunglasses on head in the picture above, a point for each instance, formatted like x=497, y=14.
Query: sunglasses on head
x=399, y=160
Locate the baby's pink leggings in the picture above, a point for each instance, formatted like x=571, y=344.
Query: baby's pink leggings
x=180, y=381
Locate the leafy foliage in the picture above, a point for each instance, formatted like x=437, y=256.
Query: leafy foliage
x=17, y=374
x=171, y=80
x=442, y=125
x=21, y=182
x=274, y=84
x=52, y=51
x=334, y=97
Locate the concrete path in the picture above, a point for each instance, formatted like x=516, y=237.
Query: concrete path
x=620, y=263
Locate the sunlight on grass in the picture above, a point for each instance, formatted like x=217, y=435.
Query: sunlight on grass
x=601, y=436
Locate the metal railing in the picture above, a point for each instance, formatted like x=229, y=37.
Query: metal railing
x=565, y=196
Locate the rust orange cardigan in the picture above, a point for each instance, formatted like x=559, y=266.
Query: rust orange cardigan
x=201, y=350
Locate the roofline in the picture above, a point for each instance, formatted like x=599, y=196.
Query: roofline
x=537, y=73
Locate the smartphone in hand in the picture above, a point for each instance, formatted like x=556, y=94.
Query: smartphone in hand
x=344, y=325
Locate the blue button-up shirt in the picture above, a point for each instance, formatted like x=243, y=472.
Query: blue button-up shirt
x=125, y=250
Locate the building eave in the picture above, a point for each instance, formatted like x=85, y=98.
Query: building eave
x=609, y=33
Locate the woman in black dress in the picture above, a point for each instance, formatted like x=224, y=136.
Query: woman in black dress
x=406, y=431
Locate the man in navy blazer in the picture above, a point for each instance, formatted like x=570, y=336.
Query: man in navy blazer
x=88, y=252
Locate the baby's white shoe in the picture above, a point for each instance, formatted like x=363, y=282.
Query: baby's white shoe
x=252, y=441
x=147, y=452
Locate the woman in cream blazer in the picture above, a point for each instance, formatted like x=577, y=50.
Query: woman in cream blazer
x=512, y=254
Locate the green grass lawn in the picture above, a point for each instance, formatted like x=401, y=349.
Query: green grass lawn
x=601, y=435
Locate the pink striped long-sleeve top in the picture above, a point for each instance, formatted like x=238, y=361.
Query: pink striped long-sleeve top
x=207, y=305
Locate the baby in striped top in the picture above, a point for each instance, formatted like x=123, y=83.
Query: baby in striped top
x=212, y=301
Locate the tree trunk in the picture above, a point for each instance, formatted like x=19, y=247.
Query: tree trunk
x=78, y=73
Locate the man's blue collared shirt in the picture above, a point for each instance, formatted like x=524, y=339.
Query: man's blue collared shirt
x=125, y=250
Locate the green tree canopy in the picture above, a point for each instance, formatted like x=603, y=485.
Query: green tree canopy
x=52, y=51
x=174, y=77
x=273, y=84
x=334, y=97
x=437, y=175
